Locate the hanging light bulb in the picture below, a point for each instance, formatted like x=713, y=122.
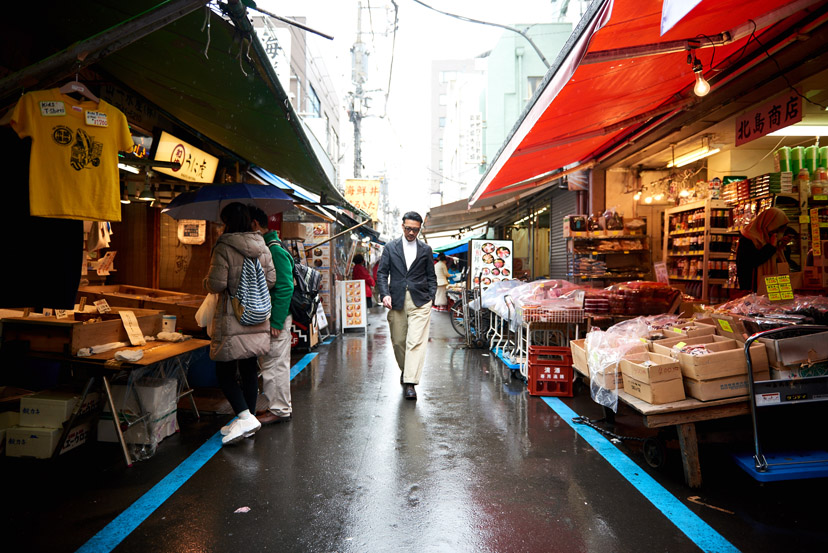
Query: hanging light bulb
x=658, y=197
x=637, y=196
x=648, y=200
x=702, y=87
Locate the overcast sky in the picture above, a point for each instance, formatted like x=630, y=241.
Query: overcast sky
x=399, y=143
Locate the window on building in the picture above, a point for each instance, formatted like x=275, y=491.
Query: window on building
x=534, y=83
x=442, y=122
x=314, y=106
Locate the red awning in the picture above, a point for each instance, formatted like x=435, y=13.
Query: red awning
x=620, y=72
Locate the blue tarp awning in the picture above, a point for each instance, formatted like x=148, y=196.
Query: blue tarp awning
x=460, y=246
x=281, y=183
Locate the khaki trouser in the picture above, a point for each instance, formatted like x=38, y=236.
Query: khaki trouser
x=409, y=336
x=275, y=368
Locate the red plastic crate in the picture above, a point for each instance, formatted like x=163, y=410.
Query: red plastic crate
x=547, y=379
x=550, y=355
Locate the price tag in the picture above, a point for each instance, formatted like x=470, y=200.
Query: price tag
x=772, y=288
x=103, y=306
x=787, y=295
x=643, y=340
x=821, y=197
x=82, y=304
x=771, y=280
x=61, y=314
x=804, y=219
x=725, y=325
x=774, y=296
x=47, y=312
x=680, y=345
x=136, y=337
x=678, y=330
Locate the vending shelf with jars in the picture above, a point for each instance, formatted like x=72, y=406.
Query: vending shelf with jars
x=699, y=247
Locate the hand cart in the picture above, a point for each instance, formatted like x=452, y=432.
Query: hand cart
x=789, y=465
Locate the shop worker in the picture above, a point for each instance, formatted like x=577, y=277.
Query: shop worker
x=760, y=248
x=407, y=284
x=235, y=347
x=275, y=364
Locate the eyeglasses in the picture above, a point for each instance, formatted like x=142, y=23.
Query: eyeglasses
x=415, y=230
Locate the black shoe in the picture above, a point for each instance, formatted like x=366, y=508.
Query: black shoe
x=408, y=392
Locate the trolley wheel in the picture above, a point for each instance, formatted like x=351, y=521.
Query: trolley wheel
x=480, y=343
x=655, y=452
x=456, y=315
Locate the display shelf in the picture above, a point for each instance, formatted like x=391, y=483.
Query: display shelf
x=609, y=237
x=709, y=218
x=608, y=252
x=585, y=263
x=607, y=276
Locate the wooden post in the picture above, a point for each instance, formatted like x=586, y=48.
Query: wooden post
x=690, y=454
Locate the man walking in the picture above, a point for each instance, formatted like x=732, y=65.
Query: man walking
x=409, y=265
x=275, y=366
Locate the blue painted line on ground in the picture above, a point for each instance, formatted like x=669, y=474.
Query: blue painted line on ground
x=683, y=518
x=329, y=340
x=124, y=524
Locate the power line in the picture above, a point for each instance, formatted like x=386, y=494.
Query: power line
x=391, y=66
x=507, y=27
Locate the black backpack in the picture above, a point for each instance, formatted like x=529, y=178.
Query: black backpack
x=306, y=284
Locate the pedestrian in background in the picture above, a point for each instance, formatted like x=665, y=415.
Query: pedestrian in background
x=442, y=274
x=407, y=285
x=361, y=273
x=760, y=248
x=235, y=347
x=275, y=364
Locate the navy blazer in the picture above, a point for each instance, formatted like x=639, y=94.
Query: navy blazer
x=419, y=280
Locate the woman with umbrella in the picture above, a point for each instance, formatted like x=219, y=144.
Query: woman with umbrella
x=235, y=347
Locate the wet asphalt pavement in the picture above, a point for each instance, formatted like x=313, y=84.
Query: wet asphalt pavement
x=474, y=465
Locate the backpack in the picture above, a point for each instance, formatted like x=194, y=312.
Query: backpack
x=251, y=304
x=306, y=284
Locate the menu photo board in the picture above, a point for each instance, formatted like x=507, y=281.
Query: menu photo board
x=490, y=262
x=352, y=311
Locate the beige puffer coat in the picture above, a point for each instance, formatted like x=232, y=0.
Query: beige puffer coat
x=231, y=340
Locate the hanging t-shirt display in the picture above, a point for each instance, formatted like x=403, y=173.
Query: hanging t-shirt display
x=74, y=162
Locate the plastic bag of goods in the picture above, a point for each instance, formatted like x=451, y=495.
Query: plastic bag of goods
x=604, y=350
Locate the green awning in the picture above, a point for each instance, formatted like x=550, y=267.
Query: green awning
x=235, y=101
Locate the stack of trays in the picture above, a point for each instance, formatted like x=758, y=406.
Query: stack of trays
x=772, y=183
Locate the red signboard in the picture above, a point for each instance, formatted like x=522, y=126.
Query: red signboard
x=780, y=112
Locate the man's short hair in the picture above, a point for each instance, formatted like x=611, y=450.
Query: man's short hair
x=258, y=215
x=412, y=216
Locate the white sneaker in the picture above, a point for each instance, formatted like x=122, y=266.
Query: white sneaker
x=225, y=430
x=241, y=428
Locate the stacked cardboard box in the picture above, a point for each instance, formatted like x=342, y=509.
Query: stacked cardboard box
x=721, y=372
x=157, y=397
x=41, y=420
x=797, y=357
x=652, y=377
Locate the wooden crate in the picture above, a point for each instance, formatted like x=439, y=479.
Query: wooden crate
x=50, y=334
x=183, y=306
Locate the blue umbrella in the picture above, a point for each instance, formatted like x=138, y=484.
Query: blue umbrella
x=207, y=202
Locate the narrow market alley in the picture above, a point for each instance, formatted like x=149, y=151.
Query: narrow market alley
x=475, y=464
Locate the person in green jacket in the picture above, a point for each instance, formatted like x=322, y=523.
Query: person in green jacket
x=275, y=365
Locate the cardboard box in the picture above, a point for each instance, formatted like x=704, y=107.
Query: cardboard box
x=690, y=329
x=51, y=408
x=725, y=359
x=795, y=350
x=650, y=367
x=656, y=393
x=665, y=347
x=23, y=441
x=157, y=395
x=803, y=370
x=720, y=388
x=610, y=380
x=579, y=355
x=296, y=231
x=152, y=431
x=730, y=326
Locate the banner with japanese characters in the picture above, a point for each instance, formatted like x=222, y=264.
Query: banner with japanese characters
x=782, y=111
x=363, y=194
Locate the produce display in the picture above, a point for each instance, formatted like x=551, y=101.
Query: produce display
x=642, y=298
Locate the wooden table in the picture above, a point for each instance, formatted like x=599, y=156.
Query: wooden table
x=683, y=415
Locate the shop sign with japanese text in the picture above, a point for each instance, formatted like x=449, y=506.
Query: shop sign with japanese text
x=777, y=114
x=363, y=194
x=196, y=165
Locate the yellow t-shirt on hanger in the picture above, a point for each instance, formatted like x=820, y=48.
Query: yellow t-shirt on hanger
x=73, y=172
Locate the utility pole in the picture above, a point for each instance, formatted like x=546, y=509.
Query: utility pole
x=359, y=58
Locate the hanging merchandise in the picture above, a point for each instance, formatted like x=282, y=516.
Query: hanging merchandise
x=74, y=159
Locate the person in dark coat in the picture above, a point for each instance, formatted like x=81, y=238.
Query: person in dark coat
x=361, y=273
x=760, y=247
x=407, y=285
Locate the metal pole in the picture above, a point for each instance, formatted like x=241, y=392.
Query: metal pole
x=338, y=235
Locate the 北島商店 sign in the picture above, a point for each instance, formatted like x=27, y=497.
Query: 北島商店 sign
x=782, y=111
